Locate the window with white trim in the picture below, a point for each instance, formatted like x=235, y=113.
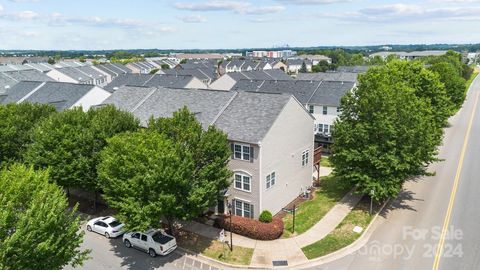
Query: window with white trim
x=326, y=130
x=241, y=151
x=243, y=209
x=311, y=109
x=242, y=181
x=305, y=156
x=270, y=180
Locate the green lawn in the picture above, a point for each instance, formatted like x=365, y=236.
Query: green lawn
x=343, y=235
x=310, y=212
x=325, y=162
x=469, y=82
x=214, y=249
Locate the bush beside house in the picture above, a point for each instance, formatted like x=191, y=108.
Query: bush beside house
x=252, y=228
x=266, y=217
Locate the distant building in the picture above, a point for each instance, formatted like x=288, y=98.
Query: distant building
x=228, y=80
x=271, y=54
x=408, y=55
x=294, y=65
x=156, y=80
x=314, y=58
x=59, y=94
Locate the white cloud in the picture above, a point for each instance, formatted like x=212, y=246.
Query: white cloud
x=312, y=2
x=402, y=13
x=235, y=6
x=192, y=18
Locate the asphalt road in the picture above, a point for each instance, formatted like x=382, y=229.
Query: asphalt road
x=108, y=254
x=410, y=229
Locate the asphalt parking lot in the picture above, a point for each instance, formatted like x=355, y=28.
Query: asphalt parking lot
x=112, y=254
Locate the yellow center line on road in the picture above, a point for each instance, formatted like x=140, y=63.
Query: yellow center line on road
x=446, y=222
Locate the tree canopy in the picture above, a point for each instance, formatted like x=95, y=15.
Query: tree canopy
x=37, y=231
x=17, y=122
x=387, y=129
x=173, y=170
x=69, y=143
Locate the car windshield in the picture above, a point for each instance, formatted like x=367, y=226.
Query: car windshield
x=114, y=223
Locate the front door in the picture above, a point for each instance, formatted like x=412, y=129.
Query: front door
x=221, y=206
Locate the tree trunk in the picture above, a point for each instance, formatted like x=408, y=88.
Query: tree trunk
x=170, y=226
x=68, y=192
x=95, y=201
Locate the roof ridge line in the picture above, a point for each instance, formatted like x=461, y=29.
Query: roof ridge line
x=222, y=110
x=31, y=92
x=4, y=73
x=314, y=91
x=153, y=75
x=140, y=103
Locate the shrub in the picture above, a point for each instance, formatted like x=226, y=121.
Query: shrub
x=252, y=228
x=265, y=217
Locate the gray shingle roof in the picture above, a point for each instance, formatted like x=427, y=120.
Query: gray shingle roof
x=29, y=75
x=244, y=116
x=61, y=95
x=6, y=82
x=200, y=73
x=329, y=76
x=354, y=69
x=271, y=74
x=307, y=92
x=173, y=81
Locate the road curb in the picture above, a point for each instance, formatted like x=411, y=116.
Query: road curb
x=356, y=245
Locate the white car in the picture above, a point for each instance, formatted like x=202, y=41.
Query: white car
x=107, y=226
x=154, y=242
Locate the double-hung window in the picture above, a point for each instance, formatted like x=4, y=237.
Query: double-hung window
x=325, y=110
x=242, y=181
x=241, y=151
x=326, y=130
x=243, y=209
x=311, y=109
x=305, y=156
x=270, y=180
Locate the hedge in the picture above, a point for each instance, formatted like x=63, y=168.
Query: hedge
x=252, y=228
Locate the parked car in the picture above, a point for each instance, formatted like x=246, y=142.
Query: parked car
x=154, y=242
x=107, y=226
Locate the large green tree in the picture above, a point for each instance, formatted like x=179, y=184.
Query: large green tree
x=17, y=121
x=64, y=144
x=173, y=170
x=69, y=143
x=426, y=85
x=385, y=133
x=455, y=84
x=37, y=230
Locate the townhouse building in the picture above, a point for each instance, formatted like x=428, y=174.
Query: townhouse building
x=270, y=167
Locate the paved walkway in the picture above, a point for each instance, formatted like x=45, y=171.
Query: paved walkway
x=284, y=249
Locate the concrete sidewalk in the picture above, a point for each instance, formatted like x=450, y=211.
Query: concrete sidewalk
x=288, y=249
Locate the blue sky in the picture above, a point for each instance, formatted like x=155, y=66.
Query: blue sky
x=208, y=24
